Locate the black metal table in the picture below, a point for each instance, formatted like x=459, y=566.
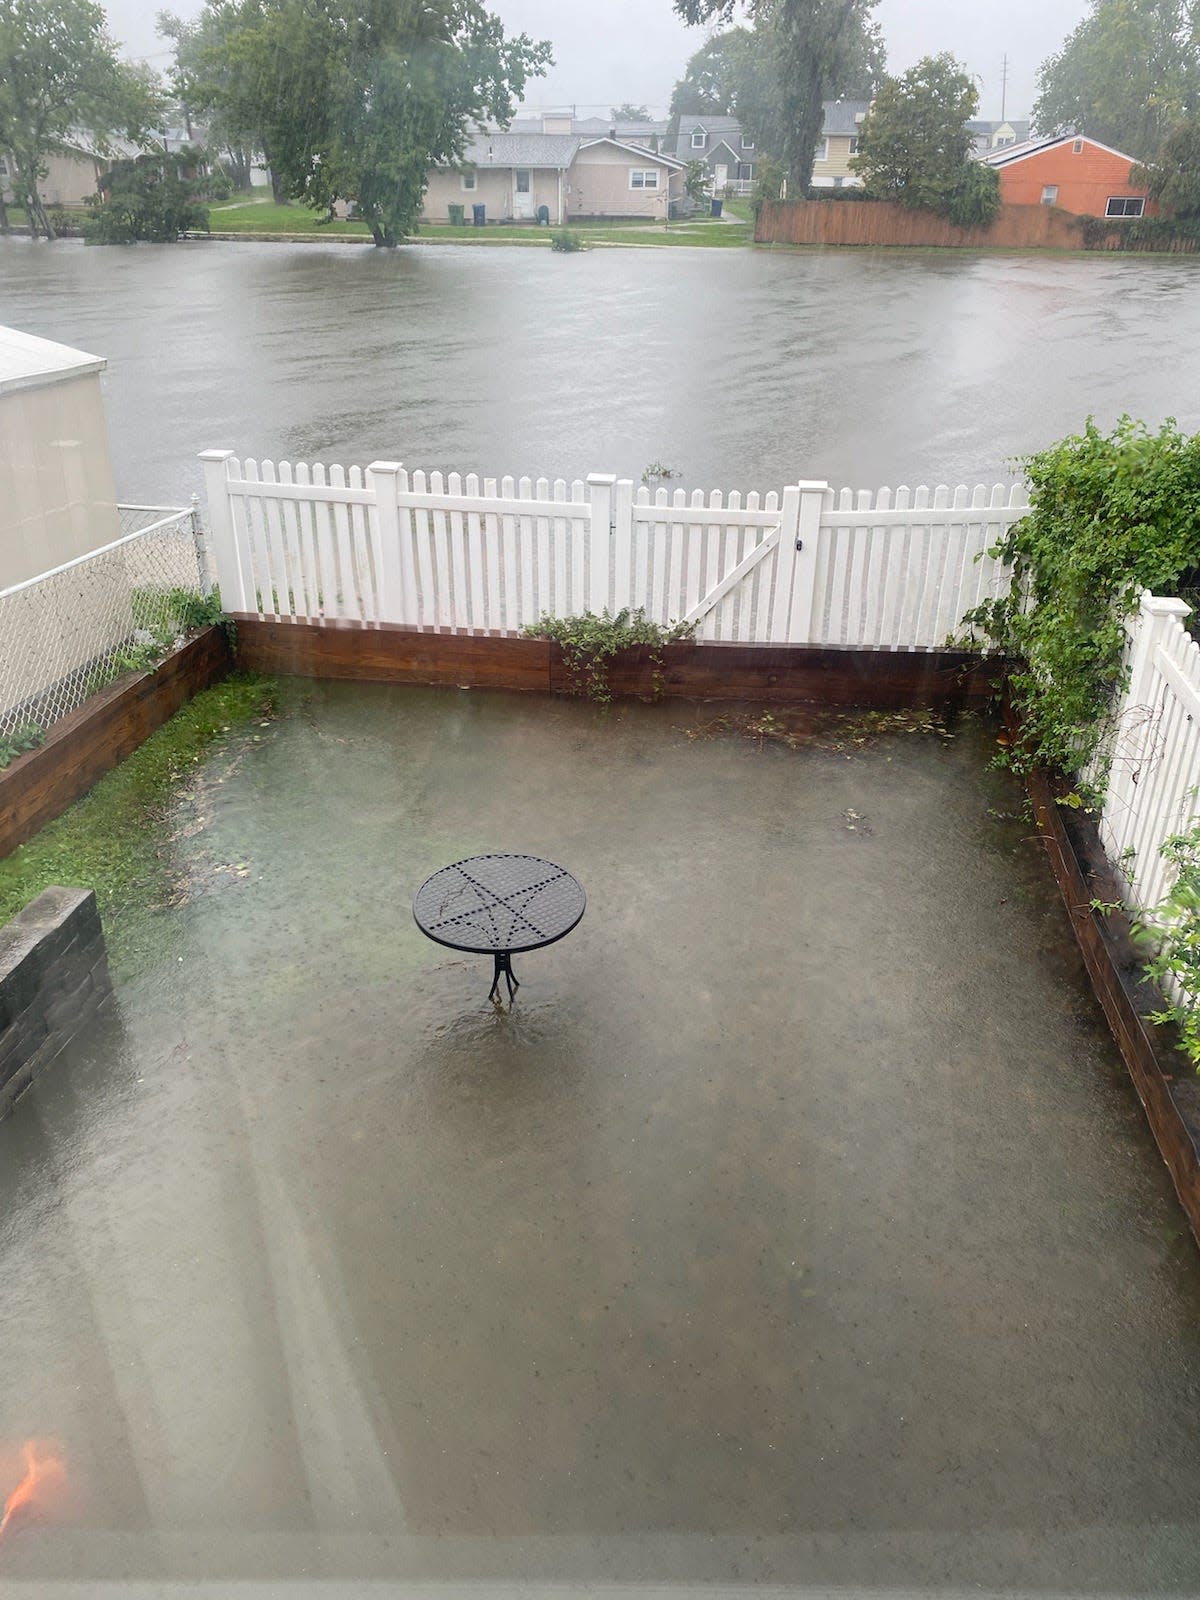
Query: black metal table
x=499, y=905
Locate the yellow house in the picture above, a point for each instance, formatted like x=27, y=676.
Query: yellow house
x=838, y=143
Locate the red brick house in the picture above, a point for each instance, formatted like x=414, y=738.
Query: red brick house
x=1072, y=172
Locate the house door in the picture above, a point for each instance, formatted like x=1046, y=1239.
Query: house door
x=522, y=192
x=720, y=177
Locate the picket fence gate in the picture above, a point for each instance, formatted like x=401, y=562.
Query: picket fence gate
x=891, y=571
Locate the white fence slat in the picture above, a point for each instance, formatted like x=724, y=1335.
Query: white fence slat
x=476, y=576
x=545, y=551
x=527, y=606
x=326, y=560
x=491, y=552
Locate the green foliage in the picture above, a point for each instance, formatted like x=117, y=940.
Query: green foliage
x=914, y=145
x=566, y=241
x=148, y=198
x=357, y=102
x=589, y=642
x=712, y=77
x=27, y=737
x=1126, y=75
x=1175, y=927
x=1168, y=234
x=1173, y=177
x=1111, y=515
x=59, y=71
x=695, y=181
x=768, y=183
x=976, y=200
x=657, y=472
x=799, y=53
x=627, y=112
x=113, y=840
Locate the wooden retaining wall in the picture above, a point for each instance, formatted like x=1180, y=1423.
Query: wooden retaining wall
x=387, y=654
x=1165, y=1081
x=104, y=730
x=880, y=222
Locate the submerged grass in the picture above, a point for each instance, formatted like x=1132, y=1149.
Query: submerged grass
x=114, y=840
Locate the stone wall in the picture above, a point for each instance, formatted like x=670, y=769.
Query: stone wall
x=53, y=981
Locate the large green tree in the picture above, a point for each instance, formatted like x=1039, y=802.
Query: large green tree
x=1126, y=75
x=802, y=52
x=357, y=101
x=1173, y=177
x=203, y=80
x=712, y=77
x=59, y=72
x=914, y=145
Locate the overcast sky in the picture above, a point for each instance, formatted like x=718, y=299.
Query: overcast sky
x=607, y=51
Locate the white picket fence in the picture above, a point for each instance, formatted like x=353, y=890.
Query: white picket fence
x=890, y=571
x=1153, y=752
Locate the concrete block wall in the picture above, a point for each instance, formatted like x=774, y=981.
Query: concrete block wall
x=53, y=980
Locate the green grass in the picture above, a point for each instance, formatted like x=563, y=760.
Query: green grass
x=117, y=839
x=259, y=216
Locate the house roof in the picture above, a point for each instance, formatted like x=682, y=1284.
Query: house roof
x=555, y=150
x=844, y=116
x=635, y=150
x=27, y=362
x=1009, y=153
x=593, y=127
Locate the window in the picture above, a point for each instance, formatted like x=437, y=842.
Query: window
x=522, y=180
x=699, y=138
x=1050, y=195
x=839, y=183
x=468, y=180
x=643, y=178
x=747, y=144
x=1125, y=205
x=853, y=145
x=745, y=171
x=822, y=150
x=1077, y=148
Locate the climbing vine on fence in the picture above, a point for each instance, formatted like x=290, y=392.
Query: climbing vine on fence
x=1111, y=514
x=589, y=642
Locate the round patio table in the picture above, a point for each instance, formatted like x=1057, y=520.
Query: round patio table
x=499, y=905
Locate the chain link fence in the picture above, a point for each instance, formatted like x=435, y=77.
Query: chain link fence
x=122, y=608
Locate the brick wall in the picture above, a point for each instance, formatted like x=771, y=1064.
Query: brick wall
x=53, y=980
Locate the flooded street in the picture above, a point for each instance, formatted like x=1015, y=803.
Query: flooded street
x=799, y=1224
x=737, y=368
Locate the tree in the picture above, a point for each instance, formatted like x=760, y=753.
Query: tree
x=153, y=196
x=1125, y=76
x=358, y=100
x=200, y=81
x=1173, y=177
x=626, y=112
x=710, y=81
x=802, y=52
x=59, y=71
x=914, y=145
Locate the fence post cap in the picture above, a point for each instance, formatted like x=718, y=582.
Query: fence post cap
x=214, y=455
x=386, y=466
x=811, y=484
x=1159, y=605
x=602, y=477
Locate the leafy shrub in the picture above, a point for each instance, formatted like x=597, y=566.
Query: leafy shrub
x=145, y=198
x=1175, y=925
x=1110, y=515
x=1168, y=234
x=589, y=643
x=565, y=240
x=976, y=200
x=27, y=737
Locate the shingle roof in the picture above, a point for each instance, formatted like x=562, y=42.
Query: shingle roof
x=844, y=116
x=591, y=127
x=523, y=150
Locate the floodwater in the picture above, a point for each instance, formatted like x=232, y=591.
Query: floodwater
x=737, y=368
x=798, y=1225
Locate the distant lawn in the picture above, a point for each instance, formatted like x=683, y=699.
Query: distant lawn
x=266, y=217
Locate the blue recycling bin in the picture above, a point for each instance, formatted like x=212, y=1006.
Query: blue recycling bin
x=716, y=207
x=479, y=215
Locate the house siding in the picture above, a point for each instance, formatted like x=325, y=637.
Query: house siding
x=494, y=189
x=599, y=185
x=836, y=164
x=1084, y=181
x=71, y=180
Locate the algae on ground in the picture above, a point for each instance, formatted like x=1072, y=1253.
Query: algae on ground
x=118, y=840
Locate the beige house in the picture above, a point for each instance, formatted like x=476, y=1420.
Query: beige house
x=72, y=178
x=838, y=143
x=553, y=176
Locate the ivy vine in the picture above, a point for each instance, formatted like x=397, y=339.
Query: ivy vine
x=1175, y=926
x=1111, y=514
x=589, y=642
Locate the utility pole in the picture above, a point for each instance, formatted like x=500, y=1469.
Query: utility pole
x=1004, y=88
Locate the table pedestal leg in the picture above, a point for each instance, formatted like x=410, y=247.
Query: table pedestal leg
x=503, y=966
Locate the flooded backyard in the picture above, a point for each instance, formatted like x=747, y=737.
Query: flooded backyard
x=798, y=1224
x=736, y=368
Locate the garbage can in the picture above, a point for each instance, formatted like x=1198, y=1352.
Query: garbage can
x=458, y=215
x=543, y=216
x=479, y=215
x=716, y=207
